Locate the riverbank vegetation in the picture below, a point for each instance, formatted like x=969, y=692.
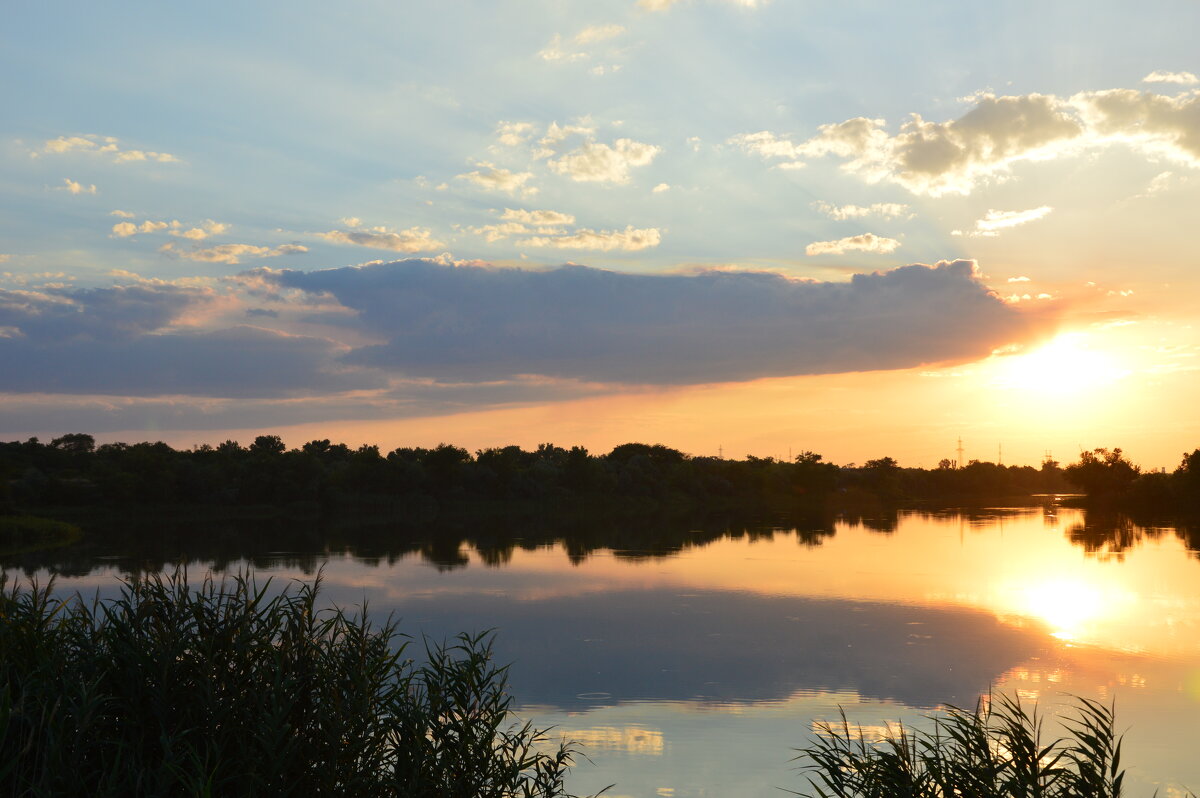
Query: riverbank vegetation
x=998, y=750
x=238, y=689
x=73, y=470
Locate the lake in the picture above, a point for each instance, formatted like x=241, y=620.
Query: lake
x=692, y=661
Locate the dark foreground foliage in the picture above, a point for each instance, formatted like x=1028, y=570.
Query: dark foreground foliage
x=996, y=751
x=227, y=690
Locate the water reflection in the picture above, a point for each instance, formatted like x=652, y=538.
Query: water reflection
x=692, y=654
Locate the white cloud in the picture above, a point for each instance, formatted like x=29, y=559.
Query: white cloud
x=231, y=253
x=121, y=214
x=628, y=240
x=351, y=221
x=493, y=178
x=1182, y=78
x=884, y=210
x=542, y=218
x=953, y=157
x=598, y=33
x=174, y=227
x=598, y=162
x=100, y=144
x=591, y=35
x=1021, y=279
x=414, y=239
x=206, y=229
x=498, y=232
x=998, y=220
x=937, y=158
x=1155, y=123
x=661, y=187
x=77, y=188
x=554, y=52
x=513, y=134
x=1161, y=182
x=866, y=242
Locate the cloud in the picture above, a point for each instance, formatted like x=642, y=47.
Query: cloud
x=884, y=210
x=102, y=145
x=231, y=253
x=477, y=323
x=540, y=218
x=498, y=232
x=628, y=240
x=77, y=188
x=122, y=214
x=133, y=340
x=175, y=227
x=661, y=187
x=546, y=228
x=598, y=33
x=207, y=228
x=937, y=158
x=995, y=221
x=866, y=242
x=513, y=134
x=595, y=161
x=1182, y=78
x=593, y=34
x=1154, y=123
x=490, y=177
x=953, y=157
x=414, y=239
x=554, y=51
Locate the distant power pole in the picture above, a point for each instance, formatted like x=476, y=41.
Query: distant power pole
x=720, y=452
x=999, y=454
x=959, y=462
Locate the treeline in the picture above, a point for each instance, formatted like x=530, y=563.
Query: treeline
x=1109, y=479
x=73, y=470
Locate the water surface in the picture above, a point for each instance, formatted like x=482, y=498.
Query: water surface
x=694, y=666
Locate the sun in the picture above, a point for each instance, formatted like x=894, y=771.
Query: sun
x=1065, y=366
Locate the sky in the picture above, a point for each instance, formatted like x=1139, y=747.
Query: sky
x=734, y=227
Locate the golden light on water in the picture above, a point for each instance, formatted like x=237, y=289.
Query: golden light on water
x=1071, y=606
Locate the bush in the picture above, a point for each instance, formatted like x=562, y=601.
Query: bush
x=996, y=751
x=226, y=691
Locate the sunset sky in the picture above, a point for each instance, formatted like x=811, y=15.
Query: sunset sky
x=859, y=228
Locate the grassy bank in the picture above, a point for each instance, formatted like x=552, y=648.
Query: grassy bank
x=226, y=689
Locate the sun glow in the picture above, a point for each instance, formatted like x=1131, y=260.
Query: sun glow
x=1072, y=606
x=1065, y=366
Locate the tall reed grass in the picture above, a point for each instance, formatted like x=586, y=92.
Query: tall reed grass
x=999, y=750
x=230, y=689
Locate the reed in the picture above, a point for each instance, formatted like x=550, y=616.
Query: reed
x=233, y=689
x=999, y=750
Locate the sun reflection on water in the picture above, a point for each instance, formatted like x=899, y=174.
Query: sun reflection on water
x=1070, y=606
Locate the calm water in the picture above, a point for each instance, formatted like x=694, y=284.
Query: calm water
x=695, y=669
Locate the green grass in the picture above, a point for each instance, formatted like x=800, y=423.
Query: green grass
x=998, y=750
x=226, y=689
